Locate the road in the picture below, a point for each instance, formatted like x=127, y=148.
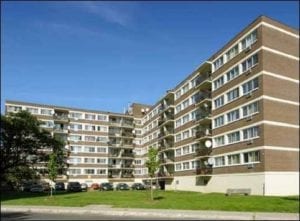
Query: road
x=9, y=216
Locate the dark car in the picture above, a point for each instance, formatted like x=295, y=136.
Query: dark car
x=138, y=186
x=37, y=188
x=74, y=187
x=106, y=187
x=46, y=186
x=122, y=186
x=60, y=186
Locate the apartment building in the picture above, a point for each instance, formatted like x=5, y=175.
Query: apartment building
x=232, y=123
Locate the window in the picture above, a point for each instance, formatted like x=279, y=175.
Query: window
x=101, y=149
x=14, y=108
x=178, y=152
x=89, y=160
x=178, y=94
x=232, y=52
x=74, y=160
x=233, y=94
x=178, y=137
x=185, y=118
x=233, y=159
x=251, y=157
x=178, y=166
x=178, y=123
x=250, y=86
x=233, y=115
x=102, y=128
x=219, y=82
x=74, y=171
x=138, y=162
x=185, y=150
x=185, y=104
x=251, y=132
x=32, y=110
x=219, y=102
x=218, y=63
x=76, y=148
x=101, y=171
x=220, y=161
x=89, y=127
x=90, y=138
x=47, y=124
x=75, y=126
x=186, y=166
x=233, y=137
x=46, y=112
x=102, y=139
x=219, y=141
x=90, y=116
x=194, y=114
x=75, y=115
x=102, y=117
x=75, y=138
x=194, y=164
x=185, y=88
x=178, y=108
x=250, y=109
x=249, y=40
x=89, y=171
x=185, y=134
x=89, y=149
x=219, y=121
x=101, y=160
x=250, y=62
x=233, y=73
x=194, y=147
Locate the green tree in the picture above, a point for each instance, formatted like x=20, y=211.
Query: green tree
x=52, y=169
x=20, y=145
x=152, y=165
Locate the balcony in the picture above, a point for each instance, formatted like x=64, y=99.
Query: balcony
x=204, y=81
x=60, y=130
x=203, y=151
x=165, y=134
x=204, y=171
x=167, y=161
x=203, y=134
x=127, y=155
x=203, y=117
x=61, y=117
x=165, y=175
x=201, y=97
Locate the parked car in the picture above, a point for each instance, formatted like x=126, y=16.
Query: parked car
x=45, y=186
x=84, y=187
x=138, y=186
x=95, y=186
x=106, y=187
x=122, y=186
x=74, y=187
x=37, y=188
x=59, y=186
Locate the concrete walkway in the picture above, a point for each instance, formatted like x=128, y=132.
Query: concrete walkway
x=163, y=213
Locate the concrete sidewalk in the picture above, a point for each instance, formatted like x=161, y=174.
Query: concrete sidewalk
x=163, y=213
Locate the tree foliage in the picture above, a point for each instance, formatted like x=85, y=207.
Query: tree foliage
x=152, y=164
x=21, y=142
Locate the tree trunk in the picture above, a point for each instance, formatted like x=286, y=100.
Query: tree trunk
x=51, y=191
x=151, y=189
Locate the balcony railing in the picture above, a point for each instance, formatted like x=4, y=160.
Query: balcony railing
x=203, y=116
x=63, y=117
x=167, y=161
x=204, y=171
x=203, y=77
x=203, y=133
x=202, y=96
x=203, y=151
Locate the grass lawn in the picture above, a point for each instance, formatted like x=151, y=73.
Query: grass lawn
x=164, y=200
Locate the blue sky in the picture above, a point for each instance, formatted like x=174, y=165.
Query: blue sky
x=104, y=55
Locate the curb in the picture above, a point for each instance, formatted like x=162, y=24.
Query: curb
x=183, y=214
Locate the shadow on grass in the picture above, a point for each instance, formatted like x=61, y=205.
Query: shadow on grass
x=12, y=195
x=158, y=198
x=294, y=198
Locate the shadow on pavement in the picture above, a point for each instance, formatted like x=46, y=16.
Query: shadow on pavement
x=14, y=216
